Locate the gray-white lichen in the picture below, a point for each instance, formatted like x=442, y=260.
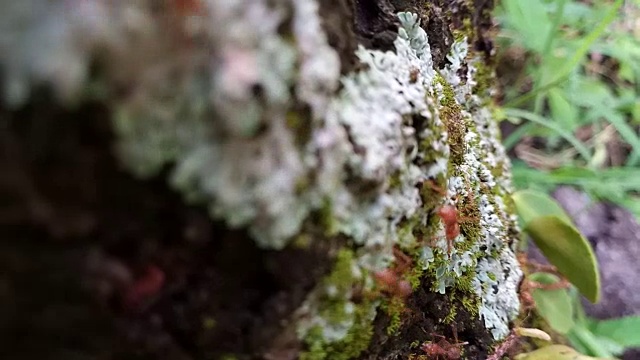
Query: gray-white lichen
x=218, y=110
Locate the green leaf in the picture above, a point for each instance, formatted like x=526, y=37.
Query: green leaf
x=608, y=345
x=590, y=342
x=577, y=344
x=562, y=111
x=590, y=93
x=565, y=248
x=532, y=204
x=555, y=306
x=529, y=19
x=554, y=352
x=624, y=331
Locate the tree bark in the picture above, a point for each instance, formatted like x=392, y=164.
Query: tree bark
x=252, y=179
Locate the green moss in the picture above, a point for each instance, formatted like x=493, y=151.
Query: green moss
x=466, y=30
x=407, y=234
x=209, y=323
x=394, y=307
x=326, y=218
x=395, y=180
x=453, y=311
x=415, y=275
x=448, y=95
x=469, y=220
x=356, y=341
x=228, y=357
x=333, y=310
x=429, y=155
x=471, y=303
x=484, y=79
x=432, y=192
x=316, y=348
x=302, y=241
x=498, y=170
x=342, y=277
x=451, y=115
x=464, y=283
x=300, y=123
x=462, y=291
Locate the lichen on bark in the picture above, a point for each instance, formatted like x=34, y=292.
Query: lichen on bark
x=252, y=118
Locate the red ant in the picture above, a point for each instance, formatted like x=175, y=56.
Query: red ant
x=505, y=346
x=449, y=215
x=391, y=279
x=147, y=286
x=444, y=348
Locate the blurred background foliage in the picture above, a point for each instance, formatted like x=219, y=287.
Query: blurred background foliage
x=570, y=79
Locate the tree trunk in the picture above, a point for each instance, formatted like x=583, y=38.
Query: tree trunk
x=252, y=179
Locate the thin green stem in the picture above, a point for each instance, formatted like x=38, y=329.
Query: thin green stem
x=535, y=118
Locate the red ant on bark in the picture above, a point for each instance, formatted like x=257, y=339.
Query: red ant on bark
x=448, y=213
x=449, y=216
x=444, y=349
x=143, y=289
x=506, y=345
x=391, y=279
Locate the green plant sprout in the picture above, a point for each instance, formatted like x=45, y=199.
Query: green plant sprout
x=551, y=229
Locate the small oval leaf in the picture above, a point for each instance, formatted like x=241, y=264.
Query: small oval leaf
x=555, y=306
x=532, y=333
x=562, y=111
x=565, y=248
x=531, y=204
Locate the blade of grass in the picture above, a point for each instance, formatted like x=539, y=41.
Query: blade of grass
x=590, y=341
x=584, y=47
x=577, y=57
x=533, y=93
x=553, y=33
x=516, y=135
x=534, y=118
x=554, y=27
x=621, y=178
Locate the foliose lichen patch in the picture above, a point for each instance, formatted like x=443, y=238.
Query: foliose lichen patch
x=483, y=264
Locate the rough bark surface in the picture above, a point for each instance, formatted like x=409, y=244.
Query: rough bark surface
x=83, y=231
